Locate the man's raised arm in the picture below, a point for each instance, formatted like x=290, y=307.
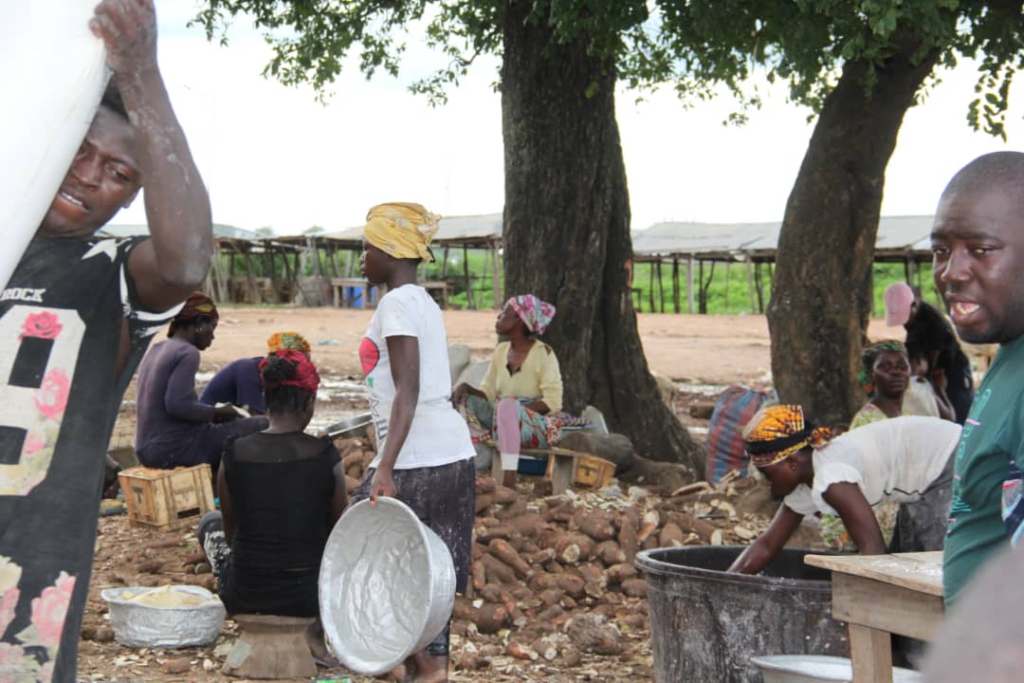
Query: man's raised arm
x=176, y=259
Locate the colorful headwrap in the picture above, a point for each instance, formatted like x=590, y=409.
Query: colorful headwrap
x=870, y=355
x=535, y=313
x=306, y=376
x=198, y=305
x=401, y=230
x=287, y=340
x=781, y=432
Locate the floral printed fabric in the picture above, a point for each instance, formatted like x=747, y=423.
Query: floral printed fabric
x=535, y=313
x=833, y=532
x=836, y=537
x=61, y=321
x=20, y=663
x=535, y=430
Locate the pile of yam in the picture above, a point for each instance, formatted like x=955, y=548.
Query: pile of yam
x=554, y=578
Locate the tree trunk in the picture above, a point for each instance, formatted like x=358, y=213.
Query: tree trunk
x=566, y=229
x=821, y=291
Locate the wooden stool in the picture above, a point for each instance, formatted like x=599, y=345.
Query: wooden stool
x=270, y=647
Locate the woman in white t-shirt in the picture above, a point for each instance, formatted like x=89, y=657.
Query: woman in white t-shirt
x=424, y=453
x=902, y=459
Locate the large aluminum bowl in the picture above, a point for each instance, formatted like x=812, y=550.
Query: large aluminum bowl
x=137, y=624
x=387, y=586
x=817, y=669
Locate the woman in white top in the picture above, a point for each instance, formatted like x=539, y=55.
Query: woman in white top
x=902, y=459
x=424, y=453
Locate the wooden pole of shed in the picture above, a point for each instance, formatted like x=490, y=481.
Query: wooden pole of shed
x=470, y=302
x=332, y=254
x=218, y=271
x=314, y=248
x=759, y=279
x=650, y=290
x=289, y=276
x=689, y=285
x=675, y=284
x=661, y=289
x=700, y=294
x=254, y=290
x=728, y=264
x=750, y=284
x=496, y=276
x=275, y=283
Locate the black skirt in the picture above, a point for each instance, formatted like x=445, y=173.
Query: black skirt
x=444, y=499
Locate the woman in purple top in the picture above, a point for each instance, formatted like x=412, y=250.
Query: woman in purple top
x=173, y=428
x=239, y=382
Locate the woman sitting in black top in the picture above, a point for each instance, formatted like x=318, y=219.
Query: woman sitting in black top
x=281, y=491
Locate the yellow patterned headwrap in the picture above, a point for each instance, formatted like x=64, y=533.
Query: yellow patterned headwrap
x=287, y=340
x=401, y=230
x=780, y=432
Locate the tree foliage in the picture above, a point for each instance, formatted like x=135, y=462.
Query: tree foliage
x=805, y=43
x=312, y=38
x=566, y=215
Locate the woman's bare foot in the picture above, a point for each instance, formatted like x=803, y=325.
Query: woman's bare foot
x=429, y=669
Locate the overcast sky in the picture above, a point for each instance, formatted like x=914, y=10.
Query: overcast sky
x=274, y=156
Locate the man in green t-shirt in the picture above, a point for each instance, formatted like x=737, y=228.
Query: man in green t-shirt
x=978, y=246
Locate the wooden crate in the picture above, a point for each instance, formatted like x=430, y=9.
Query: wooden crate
x=167, y=499
x=594, y=472
x=579, y=469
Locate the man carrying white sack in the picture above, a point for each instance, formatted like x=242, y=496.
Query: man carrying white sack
x=75, y=319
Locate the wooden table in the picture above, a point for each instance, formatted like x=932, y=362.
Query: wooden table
x=561, y=466
x=878, y=595
x=341, y=286
x=441, y=287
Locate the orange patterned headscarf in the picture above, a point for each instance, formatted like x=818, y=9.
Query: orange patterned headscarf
x=287, y=340
x=780, y=432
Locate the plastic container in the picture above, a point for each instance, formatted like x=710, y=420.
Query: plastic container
x=137, y=624
x=387, y=586
x=706, y=623
x=817, y=669
x=532, y=465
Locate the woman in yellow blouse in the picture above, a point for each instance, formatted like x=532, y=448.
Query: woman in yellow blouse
x=522, y=390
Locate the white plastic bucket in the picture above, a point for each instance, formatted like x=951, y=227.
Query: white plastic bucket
x=387, y=586
x=53, y=76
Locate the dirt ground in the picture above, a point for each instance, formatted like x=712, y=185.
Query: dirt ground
x=699, y=349
x=701, y=354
